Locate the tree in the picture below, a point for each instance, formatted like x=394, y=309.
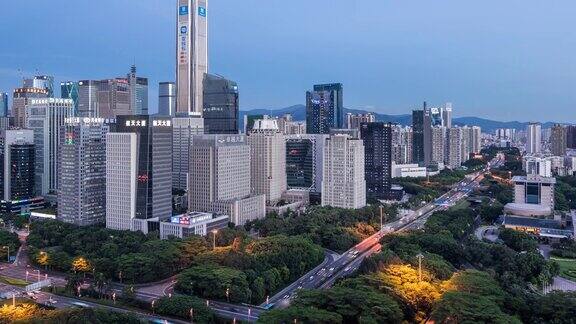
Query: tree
x=299, y=314
x=183, y=307
x=462, y=307
x=80, y=264
x=518, y=241
x=214, y=282
x=476, y=282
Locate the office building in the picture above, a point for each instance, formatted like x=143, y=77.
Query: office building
x=267, y=160
x=305, y=162
x=167, y=99
x=408, y=170
x=20, y=99
x=69, y=90
x=558, y=138
x=45, y=117
x=220, y=178
x=154, y=166
x=3, y=104
x=324, y=108
x=343, y=183
x=537, y=165
x=455, y=142
x=533, y=196
x=184, y=128
x=121, y=180
x=5, y=123
x=82, y=171
x=192, y=54
x=104, y=98
x=438, y=144
x=221, y=106
x=138, y=92
x=44, y=82
x=571, y=136
x=418, y=136
x=377, y=139
x=17, y=165
x=533, y=138
x=447, y=115
x=192, y=223
x=353, y=121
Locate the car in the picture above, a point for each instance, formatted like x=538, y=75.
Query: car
x=299, y=287
x=311, y=278
x=30, y=293
x=347, y=268
x=52, y=301
x=80, y=304
x=332, y=269
x=286, y=296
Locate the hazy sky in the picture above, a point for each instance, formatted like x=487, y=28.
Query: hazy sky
x=508, y=60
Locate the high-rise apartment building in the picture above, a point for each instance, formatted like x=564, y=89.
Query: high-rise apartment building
x=353, y=121
x=558, y=138
x=220, y=178
x=45, y=117
x=533, y=138
x=305, y=161
x=475, y=141
x=377, y=139
x=82, y=171
x=184, y=129
x=455, y=142
x=3, y=104
x=154, y=166
x=138, y=92
x=343, y=183
x=402, y=144
x=167, y=99
x=418, y=136
x=268, y=160
x=192, y=54
x=221, y=107
x=69, y=90
x=438, y=144
x=571, y=136
x=324, y=108
x=17, y=165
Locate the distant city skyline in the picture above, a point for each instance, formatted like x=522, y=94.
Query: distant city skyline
x=487, y=58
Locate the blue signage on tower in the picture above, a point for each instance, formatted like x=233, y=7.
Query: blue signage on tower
x=202, y=11
x=183, y=10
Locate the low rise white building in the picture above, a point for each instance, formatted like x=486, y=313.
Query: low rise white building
x=192, y=223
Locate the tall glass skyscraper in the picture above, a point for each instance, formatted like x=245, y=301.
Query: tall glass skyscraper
x=324, y=108
x=3, y=104
x=69, y=90
x=167, y=99
x=377, y=139
x=221, y=105
x=418, y=136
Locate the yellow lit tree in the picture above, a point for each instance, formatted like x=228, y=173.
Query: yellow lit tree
x=43, y=259
x=9, y=313
x=80, y=264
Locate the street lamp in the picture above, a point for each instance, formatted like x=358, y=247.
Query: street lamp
x=153, y=306
x=420, y=256
x=228, y=294
x=114, y=297
x=192, y=315
x=214, y=232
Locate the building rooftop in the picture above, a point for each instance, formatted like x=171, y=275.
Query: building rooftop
x=534, y=178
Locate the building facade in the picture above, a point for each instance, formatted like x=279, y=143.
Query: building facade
x=45, y=117
x=221, y=107
x=558, y=142
x=377, y=138
x=192, y=54
x=184, y=129
x=20, y=99
x=268, y=160
x=17, y=165
x=82, y=171
x=353, y=121
x=305, y=161
x=533, y=138
x=69, y=90
x=324, y=108
x=418, y=136
x=138, y=92
x=3, y=104
x=455, y=142
x=167, y=99
x=343, y=183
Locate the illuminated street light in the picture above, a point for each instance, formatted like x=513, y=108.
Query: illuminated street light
x=420, y=256
x=214, y=232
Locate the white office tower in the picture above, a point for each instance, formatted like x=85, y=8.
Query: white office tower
x=268, y=160
x=537, y=165
x=343, y=184
x=447, y=115
x=45, y=117
x=438, y=144
x=454, y=158
x=183, y=128
x=533, y=138
x=121, y=178
x=82, y=171
x=220, y=178
x=192, y=55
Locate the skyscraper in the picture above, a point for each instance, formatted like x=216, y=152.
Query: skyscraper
x=192, y=54
x=571, y=136
x=184, y=129
x=558, y=140
x=221, y=105
x=305, y=162
x=69, y=90
x=447, y=115
x=82, y=171
x=533, y=138
x=418, y=136
x=41, y=82
x=343, y=183
x=454, y=159
x=17, y=165
x=154, y=166
x=104, y=98
x=20, y=99
x=324, y=108
x=3, y=104
x=220, y=178
x=438, y=144
x=377, y=139
x=167, y=99
x=45, y=117
x=267, y=160
x=138, y=92
x=354, y=120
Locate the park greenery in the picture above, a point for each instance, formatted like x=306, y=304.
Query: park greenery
x=336, y=229
x=462, y=280
x=9, y=243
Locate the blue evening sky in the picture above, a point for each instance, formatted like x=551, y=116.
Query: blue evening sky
x=507, y=60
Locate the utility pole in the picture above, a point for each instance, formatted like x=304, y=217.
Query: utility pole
x=420, y=257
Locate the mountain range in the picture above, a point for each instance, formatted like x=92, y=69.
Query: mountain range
x=487, y=125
